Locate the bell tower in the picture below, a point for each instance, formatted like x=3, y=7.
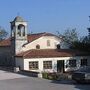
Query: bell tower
x=18, y=34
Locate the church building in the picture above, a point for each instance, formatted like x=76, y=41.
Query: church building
x=38, y=52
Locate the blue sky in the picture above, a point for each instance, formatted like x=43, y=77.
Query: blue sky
x=47, y=15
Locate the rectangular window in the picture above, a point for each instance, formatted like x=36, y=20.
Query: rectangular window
x=48, y=42
x=72, y=63
x=83, y=62
x=47, y=64
x=33, y=65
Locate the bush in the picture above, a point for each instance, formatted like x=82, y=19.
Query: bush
x=51, y=76
x=54, y=76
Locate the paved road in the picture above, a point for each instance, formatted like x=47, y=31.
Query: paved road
x=4, y=75
x=12, y=81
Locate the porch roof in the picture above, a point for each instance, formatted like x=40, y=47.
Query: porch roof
x=49, y=53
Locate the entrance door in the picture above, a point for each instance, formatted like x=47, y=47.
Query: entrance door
x=60, y=66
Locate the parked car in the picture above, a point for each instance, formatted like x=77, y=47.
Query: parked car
x=82, y=75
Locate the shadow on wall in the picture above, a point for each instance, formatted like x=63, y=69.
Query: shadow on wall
x=5, y=60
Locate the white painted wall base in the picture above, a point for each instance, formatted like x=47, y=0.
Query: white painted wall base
x=16, y=69
x=40, y=75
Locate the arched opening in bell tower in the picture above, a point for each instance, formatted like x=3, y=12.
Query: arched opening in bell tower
x=21, y=30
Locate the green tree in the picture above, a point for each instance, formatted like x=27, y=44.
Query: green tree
x=83, y=44
x=72, y=39
x=3, y=33
x=70, y=36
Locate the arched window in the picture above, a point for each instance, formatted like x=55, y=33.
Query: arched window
x=38, y=46
x=21, y=30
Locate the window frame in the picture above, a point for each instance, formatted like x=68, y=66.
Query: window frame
x=47, y=64
x=35, y=65
x=72, y=63
x=84, y=62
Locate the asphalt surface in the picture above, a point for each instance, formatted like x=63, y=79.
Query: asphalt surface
x=12, y=81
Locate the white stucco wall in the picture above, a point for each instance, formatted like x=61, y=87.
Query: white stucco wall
x=18, y=45
x=40, y=63
x=54, y=62
x=24, y=64
x=40, y=60
x=42, y=41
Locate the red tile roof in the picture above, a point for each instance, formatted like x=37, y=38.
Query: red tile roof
x=6, y=42
x=47, y=53
x=30, y=37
